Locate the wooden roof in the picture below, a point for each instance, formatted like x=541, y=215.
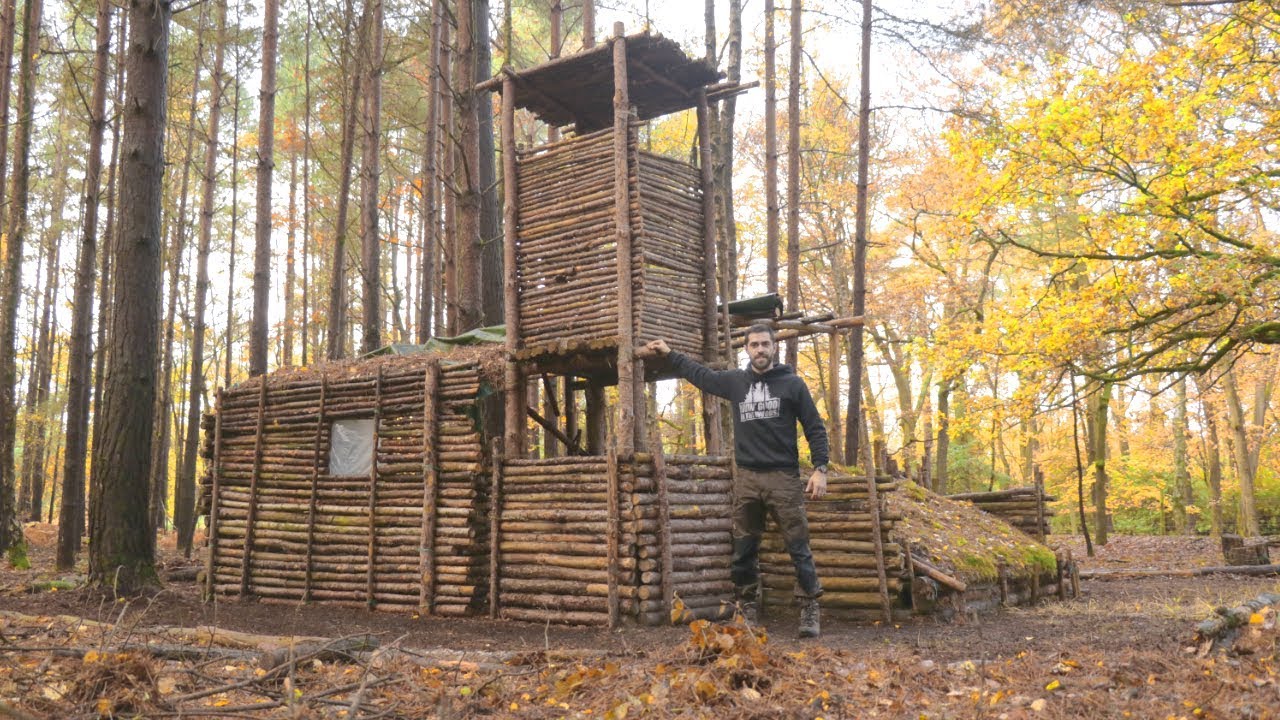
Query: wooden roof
x=578, y=89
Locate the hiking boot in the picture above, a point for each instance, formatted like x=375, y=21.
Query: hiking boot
x=809, y=622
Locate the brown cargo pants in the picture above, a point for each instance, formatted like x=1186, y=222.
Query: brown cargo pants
x=780, y=495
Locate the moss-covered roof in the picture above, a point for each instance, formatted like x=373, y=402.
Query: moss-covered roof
x=963, y=540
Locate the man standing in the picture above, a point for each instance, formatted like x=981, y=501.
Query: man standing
x=768, y=399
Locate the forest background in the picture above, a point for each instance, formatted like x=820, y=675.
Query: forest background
x=1073, y=250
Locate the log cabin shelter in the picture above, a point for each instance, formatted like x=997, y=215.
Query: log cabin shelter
x=406, y=481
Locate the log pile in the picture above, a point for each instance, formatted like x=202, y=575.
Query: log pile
x=1025, y=508
x=281, y=527
x=566, y=251
x=587, y=540
x=841, y=532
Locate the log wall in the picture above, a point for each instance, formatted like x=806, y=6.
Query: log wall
x=572, y=551
x=566, y=247
x=841, y=538
x=1026, y=508
x=412, y=535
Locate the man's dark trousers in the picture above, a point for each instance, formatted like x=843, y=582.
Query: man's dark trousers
x=780, y=493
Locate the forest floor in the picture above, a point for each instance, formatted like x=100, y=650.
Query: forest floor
x=1126, y=648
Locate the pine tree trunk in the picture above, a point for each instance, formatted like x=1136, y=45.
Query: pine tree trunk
x=856, y=369
x=446, y=301
x=184, y=491
x=371, y=270
x=177, y=251
x=11, y=282
x=235, y=225
x=290, y=274
x=491, y=298
x=467, y=252
x=42, y=371
x=122, y=548
x=429, y=222
x=588, y=24
x=106, y=283
x=307, y=340
x=78, y=361
x=8, y=14
x=793, y=184
x=266, y=167
x=337, y=330
x=728, y=224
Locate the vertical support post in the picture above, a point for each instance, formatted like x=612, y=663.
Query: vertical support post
x=910, y=568
x=640, y=406
x=430, y=485
x=252, y=518
x=626, y=429
x=1062, y=584
x=371, y=578
x=877, y=542
x=710, y=404
x=514, y=430
x=215, y=490
x=595, y=417
x=611, y=534
x=570, y=414
x=312, y=500
x=664, y=519
x=495, y=530
x=1039, y=476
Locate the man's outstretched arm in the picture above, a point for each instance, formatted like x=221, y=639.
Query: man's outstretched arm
x=717, y=382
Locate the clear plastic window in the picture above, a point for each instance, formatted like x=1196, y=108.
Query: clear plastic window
x=351, y=447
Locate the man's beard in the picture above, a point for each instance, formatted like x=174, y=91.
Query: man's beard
x=761, y=362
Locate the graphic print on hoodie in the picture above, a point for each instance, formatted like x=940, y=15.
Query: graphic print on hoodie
x=767, y=407
x=759, y=404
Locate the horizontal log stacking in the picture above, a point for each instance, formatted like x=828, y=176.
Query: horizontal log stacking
x=841, y=537
x=287, y=529
x=566, y=252
x=669, y=238
x=555, y=541
x=1016, y=506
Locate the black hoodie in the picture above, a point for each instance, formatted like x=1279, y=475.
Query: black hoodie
x=765, y=410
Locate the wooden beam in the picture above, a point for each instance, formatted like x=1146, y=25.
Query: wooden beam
x=626, y=424
x=513, y=415
x=711, y=424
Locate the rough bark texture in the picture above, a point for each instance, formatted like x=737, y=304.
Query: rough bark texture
x=266, y=166
x=490, y=227
x=856, y=369
x=793, y=194
x=430, y=223
x=371, y=270
x=80, y=351
x=467, y=242
x=176, y=254
x=11, y=285
x=337, y=343
x=122, y=546
x=290, y=265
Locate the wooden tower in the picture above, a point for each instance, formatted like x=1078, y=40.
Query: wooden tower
x=606, y=245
